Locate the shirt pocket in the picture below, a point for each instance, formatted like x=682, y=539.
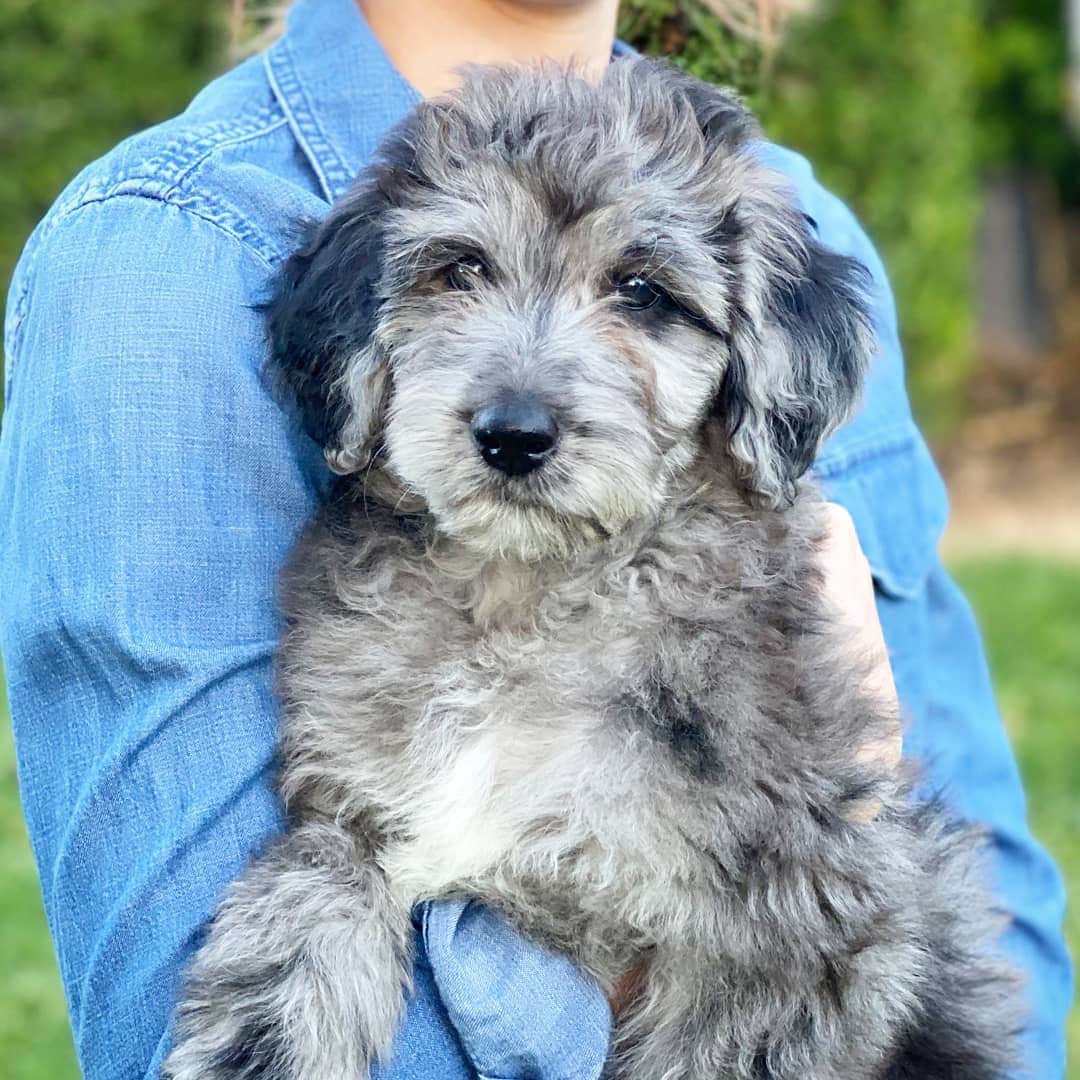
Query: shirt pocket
x=894, y=493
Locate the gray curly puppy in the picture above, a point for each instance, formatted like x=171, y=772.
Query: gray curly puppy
x=558, y=643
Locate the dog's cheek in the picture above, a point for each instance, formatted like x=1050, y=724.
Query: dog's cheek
x=633, y=354
x=689, y=367
x=427, y=440
x=610, y=476
x=676, y=369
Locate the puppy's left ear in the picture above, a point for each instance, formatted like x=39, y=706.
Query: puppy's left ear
x=324, y=359
x=799, y=347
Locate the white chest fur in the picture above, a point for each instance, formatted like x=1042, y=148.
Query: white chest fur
x=508, y=802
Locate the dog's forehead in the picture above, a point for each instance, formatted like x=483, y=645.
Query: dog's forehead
x=530, y=206
x=593, y=171
x=578, y=145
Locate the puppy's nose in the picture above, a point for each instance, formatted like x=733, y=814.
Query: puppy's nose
x=515, y=436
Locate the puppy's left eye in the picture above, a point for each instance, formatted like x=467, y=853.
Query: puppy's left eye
x=466, y=274
x=639, y=293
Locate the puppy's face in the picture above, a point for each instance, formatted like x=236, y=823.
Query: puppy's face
x=530, y=311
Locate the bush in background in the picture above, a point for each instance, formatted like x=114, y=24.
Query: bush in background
x=1020, y=69
x=880, y=97
x=896, y=102
x=78, y=77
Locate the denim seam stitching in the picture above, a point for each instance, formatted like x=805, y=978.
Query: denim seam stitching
x=174, y=157
x=236, y=139
x=289, y=90
x=190, y=205
x=66, y=213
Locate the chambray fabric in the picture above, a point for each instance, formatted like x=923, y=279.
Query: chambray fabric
x=149, y=491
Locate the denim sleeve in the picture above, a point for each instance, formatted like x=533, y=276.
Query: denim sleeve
x=881, y=470
x=149, y=490
x=954, y=730
x=961, y=737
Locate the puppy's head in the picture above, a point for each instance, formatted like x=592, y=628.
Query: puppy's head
x=546, y=297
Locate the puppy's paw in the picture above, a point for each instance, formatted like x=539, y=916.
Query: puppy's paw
x=303, y=972
x=234, y=1041
x=226, y=1044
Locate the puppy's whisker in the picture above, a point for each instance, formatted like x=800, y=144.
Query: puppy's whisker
x=379, y=451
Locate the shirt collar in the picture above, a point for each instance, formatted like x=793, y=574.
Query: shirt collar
x=338, y=88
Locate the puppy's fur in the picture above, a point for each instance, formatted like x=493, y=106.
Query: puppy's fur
x=604, y=697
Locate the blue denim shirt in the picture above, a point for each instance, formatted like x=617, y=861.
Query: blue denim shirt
x=149, y=491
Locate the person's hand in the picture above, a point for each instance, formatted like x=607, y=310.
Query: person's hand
x=849, y=590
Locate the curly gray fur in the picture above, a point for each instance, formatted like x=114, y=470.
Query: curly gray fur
x=605, y=697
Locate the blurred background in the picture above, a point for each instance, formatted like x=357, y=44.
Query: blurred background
x=951, y=128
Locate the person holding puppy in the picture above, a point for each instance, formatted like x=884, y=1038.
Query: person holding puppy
x=152, y=487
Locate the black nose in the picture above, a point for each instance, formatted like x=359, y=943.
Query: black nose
x=515, y=436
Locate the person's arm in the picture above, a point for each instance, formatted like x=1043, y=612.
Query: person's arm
x=882, y=473
x=149, y=491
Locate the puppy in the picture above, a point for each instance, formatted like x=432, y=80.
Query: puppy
x=557, y=642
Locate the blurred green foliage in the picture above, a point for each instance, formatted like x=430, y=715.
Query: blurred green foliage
x=35, y=1037
x=688, y=33
x=79, y=76
x=880, y=97
x=1020, y=68
x=1027, y=610
x=898, y=103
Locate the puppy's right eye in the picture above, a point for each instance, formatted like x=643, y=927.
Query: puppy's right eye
x=465, y=274
x=639, y=293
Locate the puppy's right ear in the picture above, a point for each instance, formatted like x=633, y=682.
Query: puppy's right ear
x=322, y=316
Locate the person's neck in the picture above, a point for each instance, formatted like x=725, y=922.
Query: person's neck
x=427, y=40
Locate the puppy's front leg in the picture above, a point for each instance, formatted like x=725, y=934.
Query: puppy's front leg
x=692, y=1021
x=670, y=1032
x=303, y=973
x=699, y=1017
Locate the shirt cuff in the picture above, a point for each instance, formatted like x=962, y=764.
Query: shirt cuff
x=521, y=1012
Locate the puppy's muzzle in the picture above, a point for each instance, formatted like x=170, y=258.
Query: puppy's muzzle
x=516, y=435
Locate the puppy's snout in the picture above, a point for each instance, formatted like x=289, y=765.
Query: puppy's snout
x=515, y=436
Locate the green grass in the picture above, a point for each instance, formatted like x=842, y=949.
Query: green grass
x=35, y=1040
x=1030, y=612
x=1029, y=609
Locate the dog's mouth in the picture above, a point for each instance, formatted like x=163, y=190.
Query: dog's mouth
x=516, y=492
x=517, y=517
x=493, y=494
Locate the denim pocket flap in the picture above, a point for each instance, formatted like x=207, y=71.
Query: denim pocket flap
x=895, y=495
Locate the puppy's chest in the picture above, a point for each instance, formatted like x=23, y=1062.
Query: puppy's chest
x=519, y=729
